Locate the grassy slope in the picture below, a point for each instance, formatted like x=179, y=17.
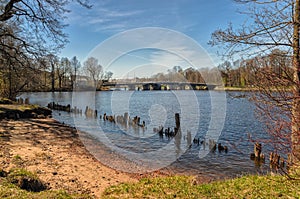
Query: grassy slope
x=12, y=192
x=15, y=107
x=9, y=187
x=183, y=187
x=24, y=111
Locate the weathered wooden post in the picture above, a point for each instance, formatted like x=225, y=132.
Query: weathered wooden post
x=134, y=121
x=189, y=139
x=75, y=110
x=276, y=161
x=68, y=108
x=177, y=120
x=257, y=150
x=126, y=118
x=138, y=121
x=161, y=131
x=21, y=100
x=27, y=100
x=86, y=110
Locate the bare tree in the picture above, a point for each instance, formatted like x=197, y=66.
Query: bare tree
x=39, y=24
x=32, y=29
x=193, y=75
x=62, y=70
x=75, y=64
x=53, y=62
x=271, y=25
x=108, y=75
x=225, y=69
x=93, y=69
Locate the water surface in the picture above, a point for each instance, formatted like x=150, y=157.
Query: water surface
x=201, y=112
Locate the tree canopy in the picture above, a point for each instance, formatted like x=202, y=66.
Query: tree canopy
x=271, y=25
x=30, y=31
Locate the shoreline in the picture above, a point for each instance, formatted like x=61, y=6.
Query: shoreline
x=241, y=89
x=56, y=154
x=62, y=156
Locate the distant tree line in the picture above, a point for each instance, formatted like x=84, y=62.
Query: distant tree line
x=248, y=72
x=190, y=74
x=240, y=73
x=64, y=74
x=50, y=73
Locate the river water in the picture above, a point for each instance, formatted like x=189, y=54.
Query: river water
x=210, y=116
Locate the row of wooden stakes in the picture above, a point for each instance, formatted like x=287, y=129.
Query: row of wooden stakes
x=168, y=132
x=23, y=101
x=276, y=161
x=91, y=113
x=212, y=145
x=124, y=120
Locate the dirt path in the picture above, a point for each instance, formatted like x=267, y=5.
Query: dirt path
x=56, y=154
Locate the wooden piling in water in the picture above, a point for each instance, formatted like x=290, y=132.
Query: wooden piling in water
x=26, y=100
x=276, y=161
x=177, y=120
x=257, y=150
x=86, y=110
x=126, y=118
x=138, y=120
x=68, y=108
x=21, y=101
x=189, y=138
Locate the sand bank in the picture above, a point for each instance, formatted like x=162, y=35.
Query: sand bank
x=55, y=152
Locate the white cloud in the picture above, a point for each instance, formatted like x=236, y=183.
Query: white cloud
x=103, y=17
x=167, y=59
x=113, y=27
x=114, y=17
x=172, y=48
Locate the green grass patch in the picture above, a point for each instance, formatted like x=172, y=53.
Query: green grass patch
x=184, y=187
x=17, y=107
x=17, y=160
x=20, y=172
x=10, y=187
x=10, y=191
x=16, y=111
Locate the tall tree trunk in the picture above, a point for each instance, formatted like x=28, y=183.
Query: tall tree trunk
x=52, y=77
x=45, y=79
x=10, y=81
x=60, y=78
x=74, y=78
x=295, y=137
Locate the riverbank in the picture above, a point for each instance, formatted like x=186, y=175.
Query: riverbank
x=56, y=154
x=254, y=186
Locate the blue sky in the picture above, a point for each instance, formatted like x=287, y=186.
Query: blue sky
x=196, y=19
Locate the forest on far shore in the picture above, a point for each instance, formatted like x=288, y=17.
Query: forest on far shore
x=63, y=74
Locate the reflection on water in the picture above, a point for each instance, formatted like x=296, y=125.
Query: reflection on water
x=157, y=108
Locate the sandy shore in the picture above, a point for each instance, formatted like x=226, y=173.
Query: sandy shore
x=55, y=152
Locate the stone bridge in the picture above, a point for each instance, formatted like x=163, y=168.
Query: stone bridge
x=158, y=86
